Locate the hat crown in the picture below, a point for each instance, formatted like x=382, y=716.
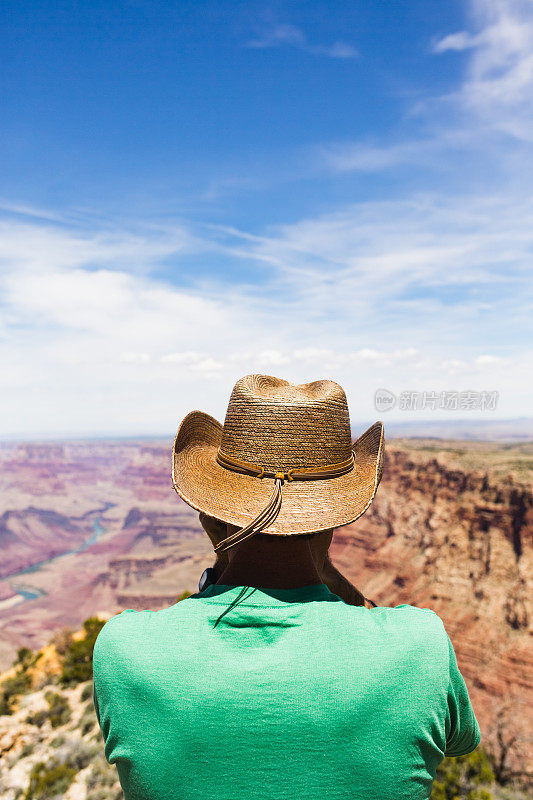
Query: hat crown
x=278, y=425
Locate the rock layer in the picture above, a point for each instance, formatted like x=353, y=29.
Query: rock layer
x=450, y=529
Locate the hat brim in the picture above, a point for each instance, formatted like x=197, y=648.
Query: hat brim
x=237, y=498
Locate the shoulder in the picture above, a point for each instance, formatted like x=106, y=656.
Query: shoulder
x=124, y=618
x=423, y=624
x=422, y=614
x=421, y=611
x=118, y=632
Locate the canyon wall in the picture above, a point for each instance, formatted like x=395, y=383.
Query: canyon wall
x=450, y=529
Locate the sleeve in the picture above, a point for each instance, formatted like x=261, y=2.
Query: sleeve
x=103, y=667
x=462, y=729
x=110, y=653
x=95, y=703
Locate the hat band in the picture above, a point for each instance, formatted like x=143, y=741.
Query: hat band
x=293, y=474
x=272, y=509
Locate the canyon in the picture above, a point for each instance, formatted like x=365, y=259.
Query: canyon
x=93, y=527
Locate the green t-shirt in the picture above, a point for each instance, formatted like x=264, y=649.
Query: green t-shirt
x=239, y=693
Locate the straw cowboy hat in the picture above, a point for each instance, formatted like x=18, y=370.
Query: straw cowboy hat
x=283, y=462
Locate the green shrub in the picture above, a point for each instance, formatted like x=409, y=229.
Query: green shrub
x=478, y=768
x=100, y=777
x=12, y=688
x=24, y=656
x=58, y=741
x=87, y=726
x=38, y=717
x=87, y=692
x=47, y=781
x=469, y=777
x=78, y=663
x=19, y=683
x=87, y=721
x=105, y=794
x=183, y=596
x=62, y=639
x=27, y=750
x=58, y=711
x=80, y=754
x=97, y=794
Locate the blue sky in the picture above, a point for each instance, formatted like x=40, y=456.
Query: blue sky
x=195, y=191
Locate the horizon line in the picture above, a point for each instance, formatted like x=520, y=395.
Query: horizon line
x=36, y=438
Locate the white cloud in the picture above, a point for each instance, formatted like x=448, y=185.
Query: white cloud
x=189, y=357
x=482, y=360
x=207, y=365
x=134, y=358
x=273, y=358
x=421, y=254
x=425, y=290
x=455, y=41
x=313, y=354
x=362, y=157
x=279, y=34
x=394, y=293
x=482, y=128
x=369, y=355
x=289, y=35
x=498, y=84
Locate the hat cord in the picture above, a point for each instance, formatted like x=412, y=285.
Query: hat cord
x=269, y=513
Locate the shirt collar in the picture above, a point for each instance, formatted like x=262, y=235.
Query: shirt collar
x=254, y=596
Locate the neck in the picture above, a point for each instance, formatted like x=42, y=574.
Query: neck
x=269, y=562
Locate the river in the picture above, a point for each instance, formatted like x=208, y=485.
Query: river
x=25, y=591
